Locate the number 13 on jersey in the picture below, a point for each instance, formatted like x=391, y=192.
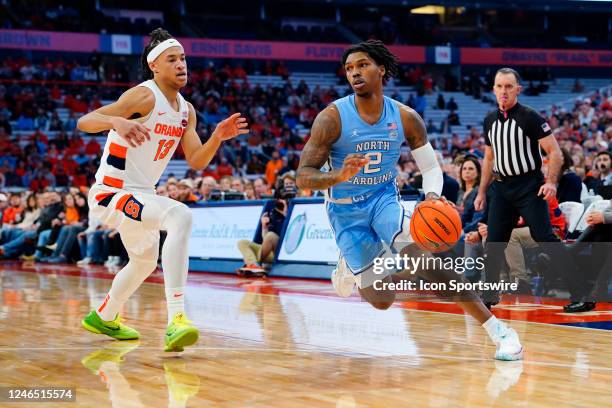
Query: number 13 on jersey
x=163, y=148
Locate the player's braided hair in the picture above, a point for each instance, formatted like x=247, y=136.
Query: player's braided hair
x=379, y=53
x=157, y=36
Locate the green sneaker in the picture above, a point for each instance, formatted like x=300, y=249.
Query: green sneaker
x=180, y=333
x=113, y=328
x=113, y=353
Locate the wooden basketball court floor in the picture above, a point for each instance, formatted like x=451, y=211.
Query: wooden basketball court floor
x=291, y=343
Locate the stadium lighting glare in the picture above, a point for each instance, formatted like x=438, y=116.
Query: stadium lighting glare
x=428, y=10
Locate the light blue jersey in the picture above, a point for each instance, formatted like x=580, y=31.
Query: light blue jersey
x=366, y=211
x=379, y=142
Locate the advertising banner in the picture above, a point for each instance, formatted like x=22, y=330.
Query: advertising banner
x=216, y=230
x=49, y=41
x=526, y=56
x=309, y=237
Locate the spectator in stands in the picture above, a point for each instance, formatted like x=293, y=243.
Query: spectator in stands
x=92, y=148
x=431, y=127
x=261, y=250
x=570, y=185
x=420, y=103
x=450, y=188
x=452, y=105
x=586, y=113
x=11, y=215
x=207, y=185
x=249, y=191
x=224, y=168
x=30, y=213
x=185, y=191
x=237, y=185
x=453, y=118
x=71, y=122
x=3, y=203
x=440, y=103
x=261, y=188
x=603, y=166
x=577, y=87
x=70, y=230
x=469, y=176
x=255, y=165
x=91, y=243
x=69, y=215
x=521, y=239
x=273, y=167
x=161, y=190
x=173, y=191
x=117, y=255
x=599, y=234
x=225, y=184
x=17, y=245
x=25, y=122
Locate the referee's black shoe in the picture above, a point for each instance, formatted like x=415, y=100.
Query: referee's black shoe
x=577, y=307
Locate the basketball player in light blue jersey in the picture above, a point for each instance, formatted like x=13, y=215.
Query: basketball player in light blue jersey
x=359, y=138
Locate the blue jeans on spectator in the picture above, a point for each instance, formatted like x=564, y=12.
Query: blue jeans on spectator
x=66, y=239
x=9, y=234
x=43, y=239
x=15, y=247
x=92, y=246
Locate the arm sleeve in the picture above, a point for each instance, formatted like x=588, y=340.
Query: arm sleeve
x=485, y=132
x=426, y=161
x=538, y=126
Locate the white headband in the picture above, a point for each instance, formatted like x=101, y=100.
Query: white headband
x=161, y=47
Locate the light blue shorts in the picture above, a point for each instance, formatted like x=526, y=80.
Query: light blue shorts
x=361, y=229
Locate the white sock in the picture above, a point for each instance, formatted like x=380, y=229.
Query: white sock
x=109, y=308
x=125, y=283
x=494, y=327
x=175, y=299
x=175, y=257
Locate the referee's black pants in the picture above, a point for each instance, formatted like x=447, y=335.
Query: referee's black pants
x=510, y=198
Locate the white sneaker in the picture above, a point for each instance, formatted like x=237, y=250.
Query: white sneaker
x=85, y=261
x=111, y=261
x=505, y=376
x=509, y=346
x=343, y=279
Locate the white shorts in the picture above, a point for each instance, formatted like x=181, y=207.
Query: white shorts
x=136, y=215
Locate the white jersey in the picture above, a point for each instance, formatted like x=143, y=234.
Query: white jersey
x=139, y=168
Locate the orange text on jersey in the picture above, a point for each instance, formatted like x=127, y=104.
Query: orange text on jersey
x=167, y=130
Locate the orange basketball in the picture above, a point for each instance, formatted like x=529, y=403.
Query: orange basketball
x=435, y=226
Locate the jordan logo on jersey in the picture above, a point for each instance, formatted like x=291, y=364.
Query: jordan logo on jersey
x=168, y=130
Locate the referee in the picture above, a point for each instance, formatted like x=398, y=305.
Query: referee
x=514, y=134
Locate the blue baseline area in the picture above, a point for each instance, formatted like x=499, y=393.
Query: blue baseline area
x=591, y=325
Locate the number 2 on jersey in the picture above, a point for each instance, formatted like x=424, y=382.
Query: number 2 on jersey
x=375, y=158
x=163, y=149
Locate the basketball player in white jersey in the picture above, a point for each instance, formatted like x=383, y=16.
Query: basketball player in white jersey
x=145, y=127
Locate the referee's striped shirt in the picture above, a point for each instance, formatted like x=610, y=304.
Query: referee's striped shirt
x=514, y=139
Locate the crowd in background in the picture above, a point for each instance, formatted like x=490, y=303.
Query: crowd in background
x=41, y=153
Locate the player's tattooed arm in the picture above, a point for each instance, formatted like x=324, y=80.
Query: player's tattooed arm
x=415, y=133
x=414, y=128
x=324, y=133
